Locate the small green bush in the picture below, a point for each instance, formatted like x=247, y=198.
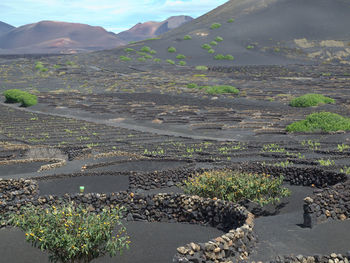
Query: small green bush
x=223, y=57
x=213, y=43
x=124, y=58
x=145, y=49
x=229, y=57
x=19, y=96
x=180, y=56
x=153, y=52
x=250, y=47
x=148, y=56
x=172, y=62
x=211, y=51
x=39, y=66
x=321, y=121
x=157, y=60
x=182, y=63
x=310, y=99
x=142, y=59
x=221, y=89
x=215, y=26
x=187, y=37
x=192, y=86
x=72, y=234
x=201, y=68
x=171, y=49
x=206, y=46
x=231, y=20
x=128, y=50
x=235, y=186
x=219, y=39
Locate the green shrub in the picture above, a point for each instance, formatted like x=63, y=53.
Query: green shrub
x=192, y=86
x=142, y=59
x=180, y=56
x=311, y=99
x=132, y=42
x=223, y=57
x=128, y=50
x=221, y=89
x=145, y=49
x=19, y=96
x=219, y=39
x=39, y=66
x=211, y=51
x=140, y=53
x=249, y=47
x=187, y=37
x=215, y=26
x=153, y=52
x=201, y=68
x=182, y=63
x=231, y=20
x=235, y=186
x=124, y=58
x=157, y=60
x=171, y=50
x=72, y=234
x=213, y=43
x=172, y=62
x=229, y=57
x=206, y=46
x=321, y=121
x=148, y=56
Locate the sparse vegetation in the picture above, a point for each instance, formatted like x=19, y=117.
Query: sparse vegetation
x=124, y=58
x=213, y=43
x=321, y=121
x=182, y=63
x=342, y=147
x=327, y=162
x=223, y=57
x=128, y=50
x=171, y=49
x=211, y=51
x=206, y=46
x=142, y=59
x=19, y=96
x=157, y=60
x=222, y=89
x=311, y=99
x=215, y=26
x=39, y=66
x=187, y=37
x=180, y=56
x=250, y=47
x=235, y=186
x=145, y=49
x=231, y=20
x=172, y=62
x=201, y=68
x=219, y=39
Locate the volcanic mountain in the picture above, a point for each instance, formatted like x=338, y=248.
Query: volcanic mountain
x=262, y=32
x=4, y=28
x=153, y=29
x=57, y=37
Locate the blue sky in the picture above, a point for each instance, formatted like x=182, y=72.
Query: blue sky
x=113, y=15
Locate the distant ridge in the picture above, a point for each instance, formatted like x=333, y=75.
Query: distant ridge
x=4, y=28
x=153, y=29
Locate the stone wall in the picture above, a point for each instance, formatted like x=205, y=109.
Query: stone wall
x=305, y=176
x=328, y=203
x=332, y=258
x=231, y=218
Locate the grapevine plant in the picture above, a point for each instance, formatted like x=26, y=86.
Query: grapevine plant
x=71, y=233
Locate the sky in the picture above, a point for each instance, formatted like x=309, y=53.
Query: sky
x=113, y=15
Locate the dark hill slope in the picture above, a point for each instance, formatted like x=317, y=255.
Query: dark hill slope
x=4, y=28
x=265, y=32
